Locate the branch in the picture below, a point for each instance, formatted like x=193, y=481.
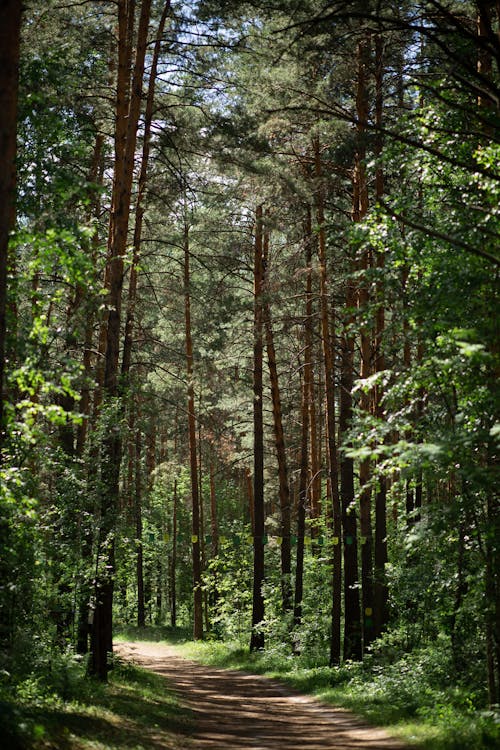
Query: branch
x=440, y=235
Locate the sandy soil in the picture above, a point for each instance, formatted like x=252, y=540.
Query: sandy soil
x=233, y=710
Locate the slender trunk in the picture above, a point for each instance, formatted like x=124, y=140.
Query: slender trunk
x=127, y=118
x=159, y=593
x=214, y=527
x=257, y=636
x=151, y=450
x=141, y=192
x=314, y=452
x=284, y=488
x=10, y=31
x=352, y=629
x=301, y=510
x=193, y=459
x=249, y=486
x=380, y=589
x=214, y=530
x=307, y=397
x=141, y=610
x=173, y=565
x=359, y=213
x=330, y=409
x=203, y=553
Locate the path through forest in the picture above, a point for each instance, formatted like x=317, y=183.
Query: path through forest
x=233, y=710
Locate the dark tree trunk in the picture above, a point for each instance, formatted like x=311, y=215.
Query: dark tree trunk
x=329, y=368
x=359, y=213
x=141, y=609
x=173, y=562
x=193, y=459
x=352, y=613
x=307, y=396
x=10, y=30
x=127, y=118
x=141, y=192
x=284, y=488
x=257, y=637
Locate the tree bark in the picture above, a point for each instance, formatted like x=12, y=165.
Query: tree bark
x=10, y=33
x=141, y=609
x=380, y=589
x=359, y=213
x=127, y=118
x=307, y=395
x=329, y=370
x=257, y=636
x=173, y=562
x=193, y=458
x=141, y=192
x=284, y=487
x=352, y=613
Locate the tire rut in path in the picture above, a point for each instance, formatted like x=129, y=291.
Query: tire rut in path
x=236, y=711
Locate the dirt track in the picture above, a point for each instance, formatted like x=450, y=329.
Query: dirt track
x=233, y=710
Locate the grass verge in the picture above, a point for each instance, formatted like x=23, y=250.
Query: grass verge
x=135, y=710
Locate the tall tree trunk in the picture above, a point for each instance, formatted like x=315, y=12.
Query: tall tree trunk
x=214, y=526
x=380, y=591
x=141, y=192
x=359, y=213
x=203, y=552
x=141, y=609
x=307, y=395
x=249, y=489
x=10, y=32
x=257, y=636
x=214, y=530
x=127, y=118
x=95, y=177
x=330, y=409
x=284, y=487
x=173, y=561
x=193, y=458
x=486, y=13
x=352, y=614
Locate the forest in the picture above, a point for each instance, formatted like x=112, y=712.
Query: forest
x=249, y=349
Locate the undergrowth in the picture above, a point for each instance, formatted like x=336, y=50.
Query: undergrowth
x=56, y=705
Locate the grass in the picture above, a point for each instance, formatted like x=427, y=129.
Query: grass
x=58, y=708
x=399, y=696
x=134, y=711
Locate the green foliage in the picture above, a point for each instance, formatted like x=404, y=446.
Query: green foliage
x=58, y=704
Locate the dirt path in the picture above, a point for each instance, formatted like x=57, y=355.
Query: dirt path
x=233, y=710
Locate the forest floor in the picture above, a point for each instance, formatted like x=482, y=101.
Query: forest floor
x=234, y=710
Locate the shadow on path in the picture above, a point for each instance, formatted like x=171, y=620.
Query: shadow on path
x=234, y=710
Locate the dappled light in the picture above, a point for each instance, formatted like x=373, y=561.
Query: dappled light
x=233, y=710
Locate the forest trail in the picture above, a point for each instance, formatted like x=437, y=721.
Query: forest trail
x=234, y=710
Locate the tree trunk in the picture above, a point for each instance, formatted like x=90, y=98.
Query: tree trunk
x=284, y=488
x=127, y=118
x=330, y=410
x=380, y=590
x=173, y=562
x=359, y=213
x=193, y=458
x=249, y=488
x=10, y=31
x=141, y=192
x=257, y=636
x=352, y=614
x=141, y=609
x=307, y=396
